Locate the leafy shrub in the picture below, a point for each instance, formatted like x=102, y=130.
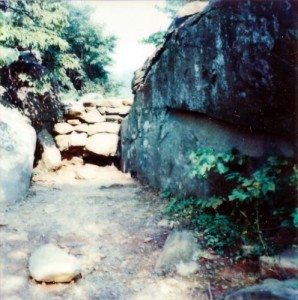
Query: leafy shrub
x=249, y=201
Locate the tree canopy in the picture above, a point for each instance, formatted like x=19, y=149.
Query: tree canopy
x=62, y=38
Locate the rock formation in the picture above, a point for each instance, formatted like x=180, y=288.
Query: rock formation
x=224, y=78
x=91, y=127
x=18, y=140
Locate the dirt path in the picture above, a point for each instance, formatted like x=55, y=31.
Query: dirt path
x=109, y=225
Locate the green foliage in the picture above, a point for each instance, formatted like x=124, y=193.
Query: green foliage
x=8, y=56
x=93, y=48
x=247, y=204
x=73, y=49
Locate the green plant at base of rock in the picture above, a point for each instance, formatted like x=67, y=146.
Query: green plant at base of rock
x=248, y=202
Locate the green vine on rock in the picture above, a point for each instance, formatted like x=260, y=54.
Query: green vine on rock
x=248, y=202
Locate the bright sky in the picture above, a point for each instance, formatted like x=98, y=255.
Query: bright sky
x=130, y=21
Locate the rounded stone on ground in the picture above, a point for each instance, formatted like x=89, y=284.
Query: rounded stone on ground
x=49, y=263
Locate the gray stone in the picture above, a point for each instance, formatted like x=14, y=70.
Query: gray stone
x=282, y=266
x=17, y=146
x=77, y=139
x=49, y=263
x=179, y=250
x=103, y=144
x=155, y=145
x=63, y=128
x=51, y=157
x=81, y=128
x=228, y=72
x=92, y=116
x=213, y=86
x=104, y=127
x=268, y=290
x=62, y=142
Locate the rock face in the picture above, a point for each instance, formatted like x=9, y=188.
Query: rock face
x=18, y=140
x=218, y=83
x=282, y=266
x=91, y=127
x=269, y=289
x=51, y=264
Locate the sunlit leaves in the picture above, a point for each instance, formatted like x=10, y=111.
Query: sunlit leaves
x=8, y=56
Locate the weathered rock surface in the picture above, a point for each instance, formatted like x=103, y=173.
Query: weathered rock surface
x=231, y=72
x=93, y=116
x=52, y=264
x=282, y=266
x=216, y=83
x=63, y=128
x=51, y=157
x=270, y=289
x=77, y=139
x=17, y=146
x=81, y=128
x=107, y=127
x=178, y=252
x=62, y=142
x=105, y=144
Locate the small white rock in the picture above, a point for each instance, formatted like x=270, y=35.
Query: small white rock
x=52, y=264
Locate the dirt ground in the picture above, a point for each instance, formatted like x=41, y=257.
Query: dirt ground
x=108, y=223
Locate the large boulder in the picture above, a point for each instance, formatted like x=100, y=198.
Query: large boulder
x=218, y=82
x=17, y=146
x=226, y=62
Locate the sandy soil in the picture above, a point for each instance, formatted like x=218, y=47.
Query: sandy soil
x=109, y=223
